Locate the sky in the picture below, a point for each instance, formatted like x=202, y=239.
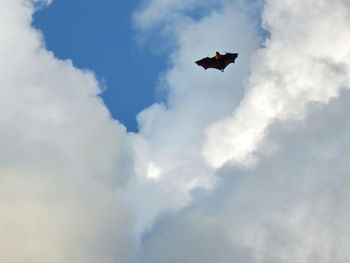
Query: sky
x=163, y=161
x=100, y=36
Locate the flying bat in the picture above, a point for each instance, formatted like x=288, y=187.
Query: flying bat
x=219, y=61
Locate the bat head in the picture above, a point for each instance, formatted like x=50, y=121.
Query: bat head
x=217, y=55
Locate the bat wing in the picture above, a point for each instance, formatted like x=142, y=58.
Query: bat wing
x=208, y=63
x=228, y=58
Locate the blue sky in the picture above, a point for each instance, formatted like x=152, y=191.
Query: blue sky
x=99, y=35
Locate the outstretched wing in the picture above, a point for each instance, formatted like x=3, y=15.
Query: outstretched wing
x=207, y=63
x=220, y=64
x=228, y=58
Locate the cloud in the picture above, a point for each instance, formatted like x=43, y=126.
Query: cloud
x=275, y=145
x=173, y=130
x=75, y=187
x=298, y=65
x=60, y=155
x=157, y=11
x=292, y=207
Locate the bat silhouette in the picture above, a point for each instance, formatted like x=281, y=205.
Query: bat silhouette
x=219, y=61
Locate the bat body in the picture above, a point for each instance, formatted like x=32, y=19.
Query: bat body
x=219, y=61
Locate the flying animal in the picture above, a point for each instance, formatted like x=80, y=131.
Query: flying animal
x=219, y=61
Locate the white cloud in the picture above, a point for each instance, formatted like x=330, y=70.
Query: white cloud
x=63, y=158
x=156, y=11
x=60, y=155
x=173, y=132
x=292, y=204
x=305, y=59
x=153, y=171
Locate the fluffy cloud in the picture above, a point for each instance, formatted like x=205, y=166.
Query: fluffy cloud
x=298, y=65
x=60, y=155
x=288, y=202
x=292, y=207
x=65, y=162
x=173, y=131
